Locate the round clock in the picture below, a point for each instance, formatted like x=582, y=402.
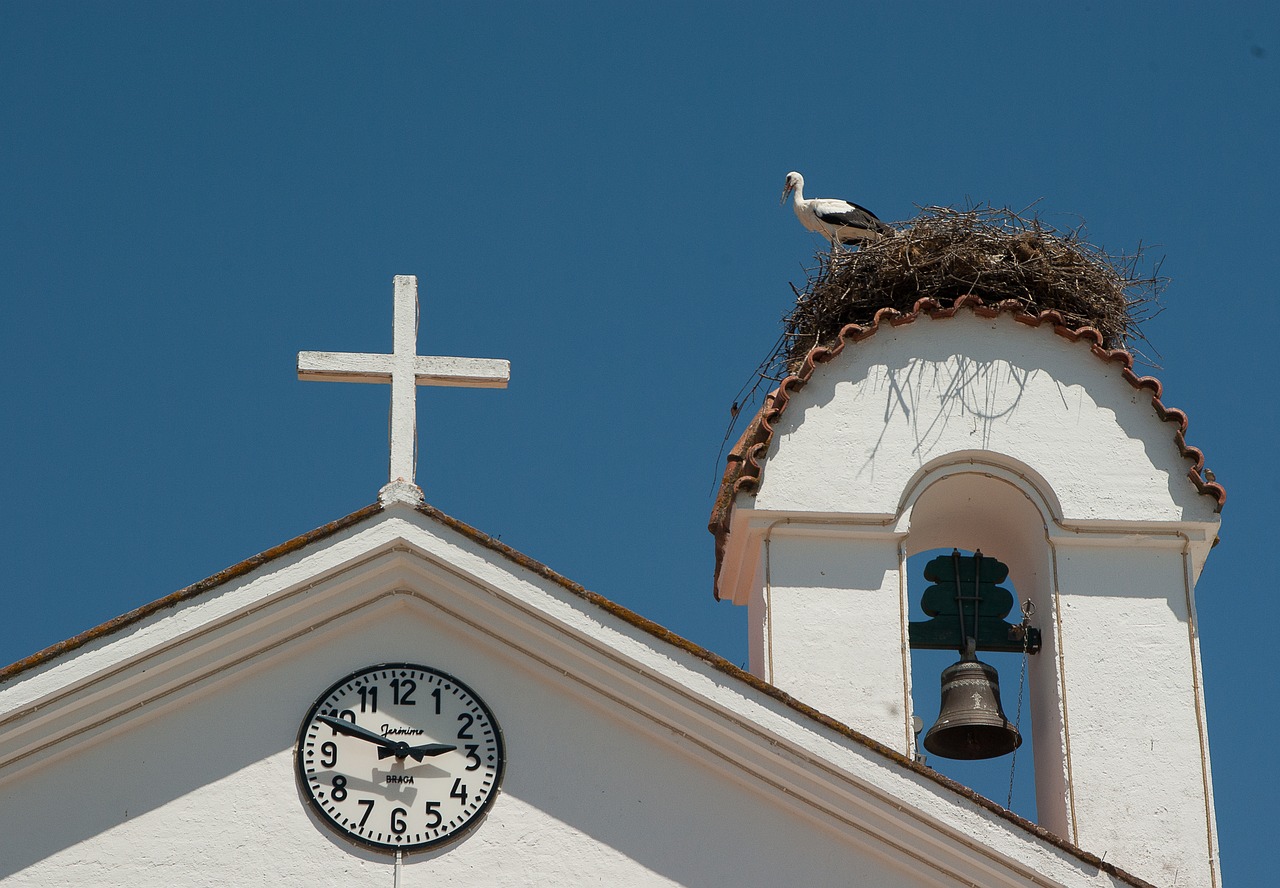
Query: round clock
x=400, y=756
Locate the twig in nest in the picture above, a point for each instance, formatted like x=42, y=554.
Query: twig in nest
x=995, y=253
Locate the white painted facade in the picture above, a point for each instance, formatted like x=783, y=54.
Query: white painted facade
x=986, y=433
x=158, y=750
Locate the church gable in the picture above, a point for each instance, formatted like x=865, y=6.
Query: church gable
x=169, y=739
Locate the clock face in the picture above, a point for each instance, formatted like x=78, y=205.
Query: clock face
x=400, y=756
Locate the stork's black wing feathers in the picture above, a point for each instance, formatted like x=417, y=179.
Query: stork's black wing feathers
x=855, y=217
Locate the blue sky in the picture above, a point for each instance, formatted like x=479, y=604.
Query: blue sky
x=191, y=193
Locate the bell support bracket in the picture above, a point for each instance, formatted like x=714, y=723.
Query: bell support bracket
x=967, y=603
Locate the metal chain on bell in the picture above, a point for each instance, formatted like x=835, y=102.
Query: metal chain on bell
x=1028, y=609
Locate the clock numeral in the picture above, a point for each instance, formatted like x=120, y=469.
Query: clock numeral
x=459, y=790
x=408, y=686
x=398, y=824
x=339, y=788
x=369, y=697
x=433, y=811
x=464, y=732
x=436, y=695
x=367, y=811
x=329, y=750
x=471, y=754
x=345, y=714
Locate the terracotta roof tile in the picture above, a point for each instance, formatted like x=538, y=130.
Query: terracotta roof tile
x=745, y=462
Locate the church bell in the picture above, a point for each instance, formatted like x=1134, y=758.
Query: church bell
x=969, y=607
x=971, y=723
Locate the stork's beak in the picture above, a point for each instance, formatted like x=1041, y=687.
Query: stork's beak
x=786, y=189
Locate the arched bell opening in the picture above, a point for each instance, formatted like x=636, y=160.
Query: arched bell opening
x=998, y=512
x=938, y=678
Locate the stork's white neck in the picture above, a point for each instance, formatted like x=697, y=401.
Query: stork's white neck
x=798, y=191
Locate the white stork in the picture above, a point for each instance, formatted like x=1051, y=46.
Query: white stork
x=839, y=221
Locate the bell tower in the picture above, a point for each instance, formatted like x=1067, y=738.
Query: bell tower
x=988, y=427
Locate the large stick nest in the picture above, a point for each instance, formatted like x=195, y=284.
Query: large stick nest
x=995, y=254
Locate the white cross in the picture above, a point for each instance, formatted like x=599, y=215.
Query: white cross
x=404, y=369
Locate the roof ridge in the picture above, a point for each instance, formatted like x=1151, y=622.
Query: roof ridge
x=225, y=575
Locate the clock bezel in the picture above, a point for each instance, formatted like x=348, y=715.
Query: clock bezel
x=317, y=809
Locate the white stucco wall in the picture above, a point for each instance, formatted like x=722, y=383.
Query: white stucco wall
x=204, y=793
x=1136, y=723
x=855, y=436
x=161, y=755
x=989, y=434
x=826, y=596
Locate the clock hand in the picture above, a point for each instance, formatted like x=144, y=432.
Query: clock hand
x=398, y=748
x=342, y=726
x=426, y=749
